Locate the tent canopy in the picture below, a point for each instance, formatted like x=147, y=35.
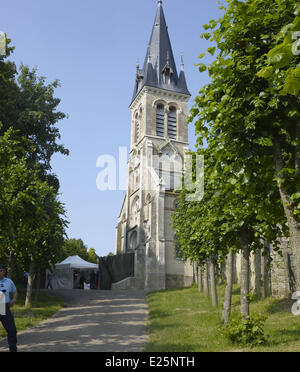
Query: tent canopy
x=64, y=273
x=76, y=262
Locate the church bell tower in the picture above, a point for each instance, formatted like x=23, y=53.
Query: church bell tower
x=159, y=140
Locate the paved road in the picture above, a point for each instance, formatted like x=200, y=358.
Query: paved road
x=93, y=321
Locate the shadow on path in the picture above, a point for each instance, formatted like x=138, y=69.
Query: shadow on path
x=94, y=321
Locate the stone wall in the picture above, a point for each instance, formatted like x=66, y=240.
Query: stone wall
x=178, y=281
x=273, y=274
x=282, y=271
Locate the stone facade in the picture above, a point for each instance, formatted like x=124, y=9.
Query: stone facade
x=159, y=141
x=145, y=225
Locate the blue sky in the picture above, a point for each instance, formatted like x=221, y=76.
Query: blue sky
x=92, y=47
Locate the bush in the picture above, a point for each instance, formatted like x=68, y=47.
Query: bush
x=246, y=331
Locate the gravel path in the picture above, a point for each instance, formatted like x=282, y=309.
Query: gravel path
x=93, y=321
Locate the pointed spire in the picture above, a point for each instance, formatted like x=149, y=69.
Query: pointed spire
x=160, y=56
x=149, y=54
x=182, y=85
x=160, y=45
x=181, y=63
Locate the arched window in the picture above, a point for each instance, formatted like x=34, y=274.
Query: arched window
x=172, y=123
x=137, y=128
x=160, y=121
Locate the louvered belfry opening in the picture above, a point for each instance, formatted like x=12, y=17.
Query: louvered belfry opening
x=172, y=123
x=160, y=121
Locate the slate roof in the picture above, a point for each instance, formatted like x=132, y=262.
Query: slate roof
x=159, y=69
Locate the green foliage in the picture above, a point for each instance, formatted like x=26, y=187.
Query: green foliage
x=28, y=105
x=92, y=256
x=37, y=116
x=237, y=116
x=246, y=331
x=284, y=58
x=76, y=247
x=31, y=216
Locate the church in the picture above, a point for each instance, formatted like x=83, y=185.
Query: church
x=159, y=141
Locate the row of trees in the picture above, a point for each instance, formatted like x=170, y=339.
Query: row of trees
x=32, y=218
x=247, y=123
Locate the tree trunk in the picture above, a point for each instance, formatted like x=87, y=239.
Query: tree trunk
x=29, y=286
x=195, y=272
x=200, y=282
x=235, y=276
x=245, y=275
x=265, y=261
x=297, y=151
x=38, y=285
x=205, y=281
x=228, y=291
x=257, y=273
x=293, y=224
x=213, y=286
x=222, y=273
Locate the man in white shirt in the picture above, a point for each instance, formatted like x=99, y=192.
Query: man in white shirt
x=8, y=287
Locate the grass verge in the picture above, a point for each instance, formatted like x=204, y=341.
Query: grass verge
x=42, y=308
x=183, y=320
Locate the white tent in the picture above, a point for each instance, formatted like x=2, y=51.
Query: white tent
x=68, y=272
x=76, y=262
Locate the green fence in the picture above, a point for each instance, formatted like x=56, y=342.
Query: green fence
x=114, y=269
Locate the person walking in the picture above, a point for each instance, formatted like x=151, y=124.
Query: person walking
x=8, y=287
x=49, y=280
x=93, y=280
x=81, y=281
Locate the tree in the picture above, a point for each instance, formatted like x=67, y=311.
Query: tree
x=282, y=62
x=28, y=104
x=237, y=115
x=93, y=258
x=46, y=237
x=8, y=86
x=31, y=217
x=238, y=109
x=228, y=291
x=76, y=247
x=234, y=213
x=283, y=73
